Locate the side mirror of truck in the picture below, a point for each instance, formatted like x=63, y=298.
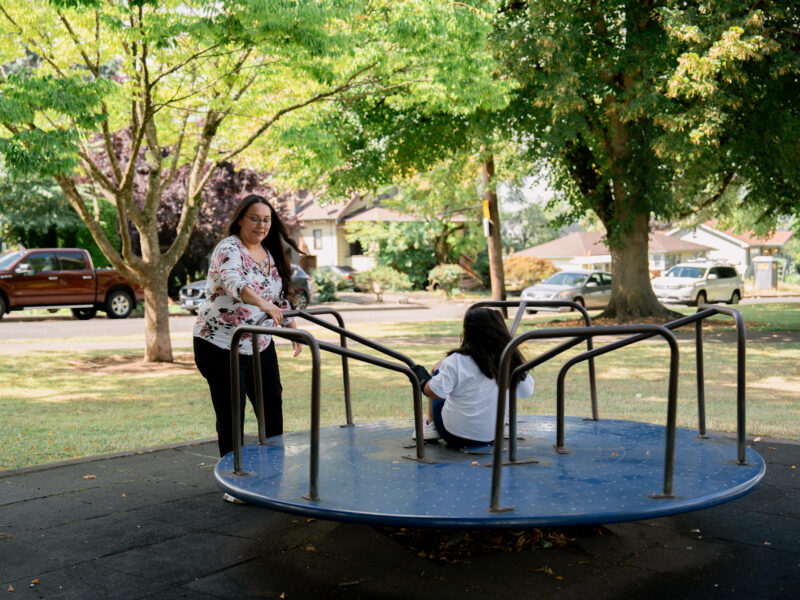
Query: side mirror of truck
x=23, y=269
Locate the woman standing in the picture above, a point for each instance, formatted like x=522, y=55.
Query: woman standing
x=249, y=276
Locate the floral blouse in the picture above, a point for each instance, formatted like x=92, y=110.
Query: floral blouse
x=230, y=270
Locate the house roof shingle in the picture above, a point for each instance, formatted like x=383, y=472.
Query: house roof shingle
x=590, y=243
x=778, y=238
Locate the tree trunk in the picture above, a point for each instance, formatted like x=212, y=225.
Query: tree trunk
x=495, y=242
x=632, y=297
x=157, y=342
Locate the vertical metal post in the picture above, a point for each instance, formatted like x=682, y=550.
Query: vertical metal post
x=497, y=458
x=512, y=421
x=701, y=379
x=420, y=438
x=259, y=388
x=560, y=410
x=672, y=416
x=313, y=475
x=592, y=378
x=236, y=409
x=740, y=389
x=348, y=407
x=518, y=317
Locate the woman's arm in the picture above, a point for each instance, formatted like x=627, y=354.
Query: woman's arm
x=274, y=312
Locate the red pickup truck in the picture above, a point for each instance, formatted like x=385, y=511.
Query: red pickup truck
x=63, y=278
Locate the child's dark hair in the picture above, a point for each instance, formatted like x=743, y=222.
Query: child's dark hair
x=272, y=242
x=484, y=337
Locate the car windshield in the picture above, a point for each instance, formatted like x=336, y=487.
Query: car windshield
x=565, y=278
x=7, y=259
x=681, y=271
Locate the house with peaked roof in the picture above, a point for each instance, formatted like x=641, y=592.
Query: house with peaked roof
x=587, y=250
x=321, y=230
x=738, y=249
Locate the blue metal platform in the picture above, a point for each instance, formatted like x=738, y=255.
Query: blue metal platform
x=368, y=473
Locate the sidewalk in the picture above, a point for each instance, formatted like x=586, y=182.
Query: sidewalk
x=153, y=525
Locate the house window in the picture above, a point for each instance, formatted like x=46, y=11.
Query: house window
x=355, y=249
x=318, y=239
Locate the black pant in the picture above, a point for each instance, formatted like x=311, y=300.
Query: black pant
x=214, y=364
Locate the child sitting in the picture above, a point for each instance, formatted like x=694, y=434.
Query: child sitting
x=462, y=409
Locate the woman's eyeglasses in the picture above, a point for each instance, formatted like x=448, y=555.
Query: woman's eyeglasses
x=255, y=220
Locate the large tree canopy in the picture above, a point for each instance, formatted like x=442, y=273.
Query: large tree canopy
x=644, y=107
x=200, y=84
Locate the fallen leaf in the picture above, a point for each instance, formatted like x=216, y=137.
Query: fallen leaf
x=474, y=463
x=90, y=476
x=757, y=439
x=11, y=588
x=613, y=454
x=34, y=582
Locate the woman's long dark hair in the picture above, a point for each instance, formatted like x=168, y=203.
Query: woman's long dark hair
x=484, y=338
x=272, y=243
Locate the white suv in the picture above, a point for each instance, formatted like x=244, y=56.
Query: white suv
x=696, y=283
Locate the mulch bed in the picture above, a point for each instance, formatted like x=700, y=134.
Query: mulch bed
x=463, y=545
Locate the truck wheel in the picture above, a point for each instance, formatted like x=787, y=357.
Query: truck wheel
x=84, y=313
x=119, y=304
x=735, y=297
x=3, y=307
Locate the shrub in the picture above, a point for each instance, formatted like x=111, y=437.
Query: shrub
x=380, y=279
x=326, y=284
x=446, y=277
x=522, y=271
x=481, y=267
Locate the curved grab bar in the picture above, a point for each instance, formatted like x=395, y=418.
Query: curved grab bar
x=295, y=335
x=581, y=333
x=523, y=306
x=305, y=337
x=348, y=405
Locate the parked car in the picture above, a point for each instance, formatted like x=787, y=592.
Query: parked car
x=698, y=282
x=192, y=295
x=346, y=272
x=591, y=289
x=63, y=278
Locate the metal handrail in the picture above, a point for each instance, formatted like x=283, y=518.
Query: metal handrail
x=305, y=337
x=741, y=336
x=702, y=313
x=297, y=335
x=522, y=307
x=304, y=313
x=309, y=314
x=580, y=334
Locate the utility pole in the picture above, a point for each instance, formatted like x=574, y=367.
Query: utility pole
x=491, y=229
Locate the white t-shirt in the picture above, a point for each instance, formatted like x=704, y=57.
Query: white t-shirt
x=471, y=407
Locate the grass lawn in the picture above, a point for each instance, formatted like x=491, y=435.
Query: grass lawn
x=62, y=405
